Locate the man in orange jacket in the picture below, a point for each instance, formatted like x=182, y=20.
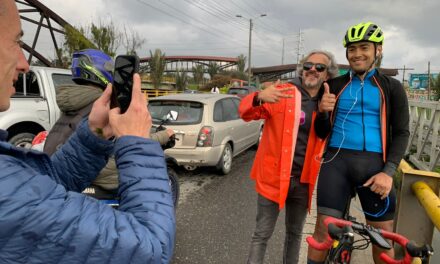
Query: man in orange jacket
x=286, y=164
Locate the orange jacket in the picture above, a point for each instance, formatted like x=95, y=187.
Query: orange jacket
x=273, y=162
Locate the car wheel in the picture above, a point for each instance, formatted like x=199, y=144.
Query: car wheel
x=225, y=163
x=190, y=167
x=174, y=184
x=23, y=140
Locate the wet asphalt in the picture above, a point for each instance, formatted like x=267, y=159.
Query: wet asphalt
x=215, y=223
x=216, y=218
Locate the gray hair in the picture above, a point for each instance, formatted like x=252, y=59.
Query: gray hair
x=332, y=67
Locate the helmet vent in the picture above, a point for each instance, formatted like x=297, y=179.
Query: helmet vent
x=360, y=31
x=353, y=31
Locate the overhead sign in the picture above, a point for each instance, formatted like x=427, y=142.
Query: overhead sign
x=420, y=80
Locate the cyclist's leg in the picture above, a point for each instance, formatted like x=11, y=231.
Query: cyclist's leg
x=296, y=212
x=388, y=226
x=384, y=222
x=267, y=214
x=378, y=213
x=333, y=193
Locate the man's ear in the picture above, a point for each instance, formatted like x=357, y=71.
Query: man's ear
x=379, y=51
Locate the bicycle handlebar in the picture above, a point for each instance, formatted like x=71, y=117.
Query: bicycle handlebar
x=361, y=228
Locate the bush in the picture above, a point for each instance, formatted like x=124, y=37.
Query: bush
x=219, y=81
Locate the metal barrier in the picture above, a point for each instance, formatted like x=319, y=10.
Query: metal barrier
x=412, y=220
x=156, y=92
x=424, y=144
x=429, y=200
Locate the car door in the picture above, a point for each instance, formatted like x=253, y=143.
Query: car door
x=236, y=124
x=29, y=96
x=250, y=129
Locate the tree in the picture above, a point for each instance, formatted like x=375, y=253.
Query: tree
x=241, y=64
x=220, y=80
x=181, y=80
x=198, y=72
x=213, y=69
x=132, y=41
x=157, y=67
x=106, y=37
x=435, y=84
x=75, y=39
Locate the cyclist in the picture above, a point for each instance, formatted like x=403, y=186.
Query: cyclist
x=92, y=70
x=364, y=116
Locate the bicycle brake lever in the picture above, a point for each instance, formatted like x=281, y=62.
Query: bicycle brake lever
x=377, y=238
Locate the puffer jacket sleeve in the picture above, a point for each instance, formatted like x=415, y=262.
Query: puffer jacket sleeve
x=78, y=162
x=41, y=222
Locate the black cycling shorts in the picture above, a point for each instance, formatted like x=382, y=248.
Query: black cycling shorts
x=344, y=175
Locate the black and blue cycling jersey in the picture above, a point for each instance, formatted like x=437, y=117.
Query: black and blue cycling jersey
x=357, y=122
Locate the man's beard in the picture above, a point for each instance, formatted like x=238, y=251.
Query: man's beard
x=313, y=85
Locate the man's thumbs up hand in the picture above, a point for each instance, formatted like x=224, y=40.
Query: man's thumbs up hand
x=328, y=100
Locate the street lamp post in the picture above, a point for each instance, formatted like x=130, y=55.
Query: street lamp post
x=250, y=44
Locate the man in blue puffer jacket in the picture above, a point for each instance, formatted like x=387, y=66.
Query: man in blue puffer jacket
x=44, y=218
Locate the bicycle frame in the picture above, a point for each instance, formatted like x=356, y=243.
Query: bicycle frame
x=342, y=247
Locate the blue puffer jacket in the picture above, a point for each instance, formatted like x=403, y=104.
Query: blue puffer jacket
x=43, y=218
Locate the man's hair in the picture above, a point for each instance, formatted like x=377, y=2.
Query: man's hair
x=332, y=68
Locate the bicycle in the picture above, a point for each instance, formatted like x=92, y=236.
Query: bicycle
x=341, y=242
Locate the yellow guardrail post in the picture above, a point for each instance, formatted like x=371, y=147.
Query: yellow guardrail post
x=412, y=220
x=429, y=201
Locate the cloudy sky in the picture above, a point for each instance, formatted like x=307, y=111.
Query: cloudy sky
x=210, y=27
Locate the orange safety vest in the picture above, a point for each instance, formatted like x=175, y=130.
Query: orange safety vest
x=273, y=161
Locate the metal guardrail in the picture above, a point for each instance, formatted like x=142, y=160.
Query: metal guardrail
x=424, y=144
x=156, y=92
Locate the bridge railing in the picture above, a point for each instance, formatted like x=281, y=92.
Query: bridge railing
x=429, y=200
x=424, y=144
x=417, y=211
x=157, y=92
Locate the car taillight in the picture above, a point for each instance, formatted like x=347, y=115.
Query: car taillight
x=206, y=136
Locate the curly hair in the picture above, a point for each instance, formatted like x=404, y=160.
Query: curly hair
x=332, y=67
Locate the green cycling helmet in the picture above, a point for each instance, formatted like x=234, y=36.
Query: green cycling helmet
x=363, y=32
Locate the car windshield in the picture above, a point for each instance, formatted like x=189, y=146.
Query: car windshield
x=188, y=112
x=238, y=91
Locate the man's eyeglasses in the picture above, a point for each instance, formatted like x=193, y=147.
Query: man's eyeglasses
x=319, y=67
